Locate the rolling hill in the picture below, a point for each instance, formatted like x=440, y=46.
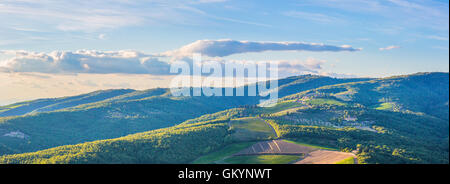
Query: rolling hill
x=107, y=114
x=402, y=119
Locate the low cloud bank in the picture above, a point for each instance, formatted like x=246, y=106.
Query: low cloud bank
x=134, y=62
x=85, y=61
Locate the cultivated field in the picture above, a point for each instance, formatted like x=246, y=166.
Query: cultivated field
x=325, y=157
x=269, y=151
x=262, y=159
x=279, y=147
x=218, y=156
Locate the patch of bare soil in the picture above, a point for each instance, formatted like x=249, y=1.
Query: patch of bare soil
x=324, y=157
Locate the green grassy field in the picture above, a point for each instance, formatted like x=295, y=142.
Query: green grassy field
x=385, y=106
x=280, y=107
x=225, y=152
x=262, y=159
x=253, y=124
x=250, y=128
x=323, y=101
x=349, y=160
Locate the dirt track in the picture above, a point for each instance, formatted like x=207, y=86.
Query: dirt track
x=273, y=129
x=325, y=157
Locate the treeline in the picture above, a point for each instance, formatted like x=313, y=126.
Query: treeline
x=179, y=144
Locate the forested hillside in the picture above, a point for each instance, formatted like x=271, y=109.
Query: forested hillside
x=105, y=120
x=402, y=119
x=114, y=113
x=178, y=144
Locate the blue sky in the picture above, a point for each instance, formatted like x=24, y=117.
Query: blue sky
x=418, y=28
x=396, y=36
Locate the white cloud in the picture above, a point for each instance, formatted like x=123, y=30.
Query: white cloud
x=298, y=67
x=133, y=62
x=226, y=47
x=84, y=61
x=127, y=62
x=285, y=68
x=389, y=47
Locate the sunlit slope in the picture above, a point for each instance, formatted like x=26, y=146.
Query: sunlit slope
x=426, y=93
x=44, y=105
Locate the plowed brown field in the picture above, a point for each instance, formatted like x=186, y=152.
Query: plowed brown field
x=276, y=147
x=325, y=157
